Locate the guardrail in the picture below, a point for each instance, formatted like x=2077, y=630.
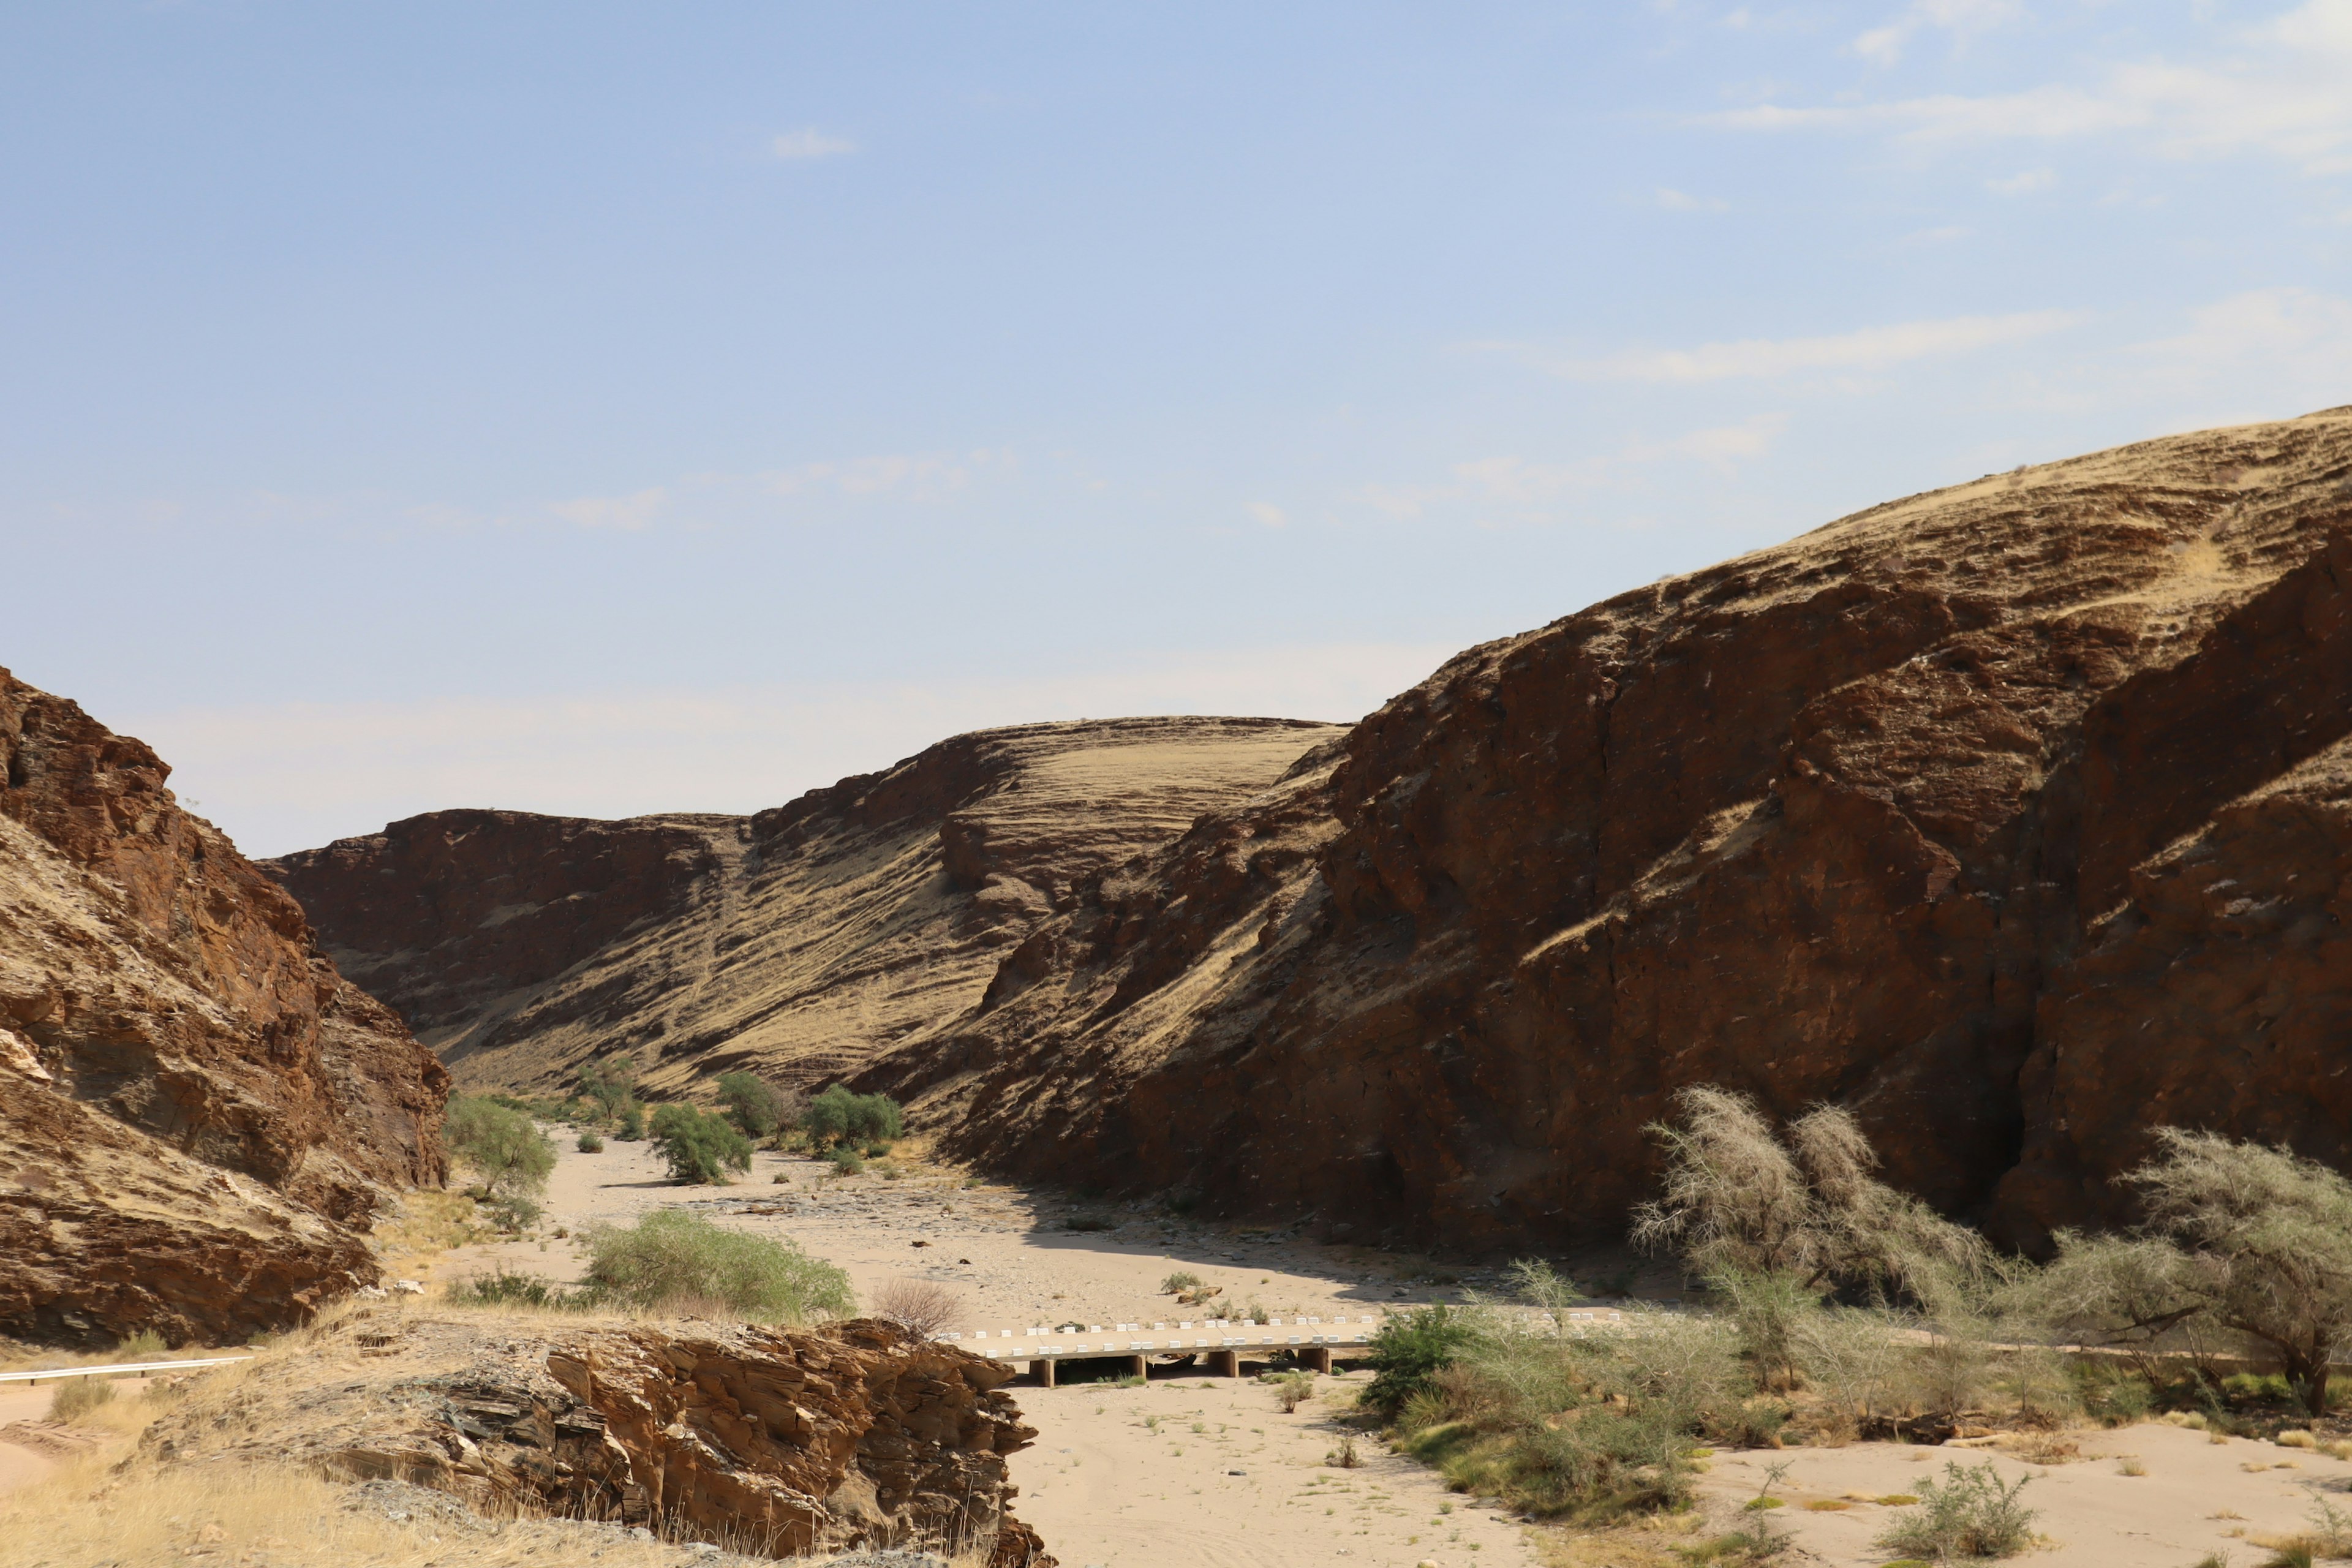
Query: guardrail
x=120, y=1369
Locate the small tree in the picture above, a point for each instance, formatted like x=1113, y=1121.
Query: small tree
x=505, y=1145
x=1408, y=1350
x=838, y=1117
x=2252, y=1240
x=700, y=1145
x=758, y=1107
x=611, y=1082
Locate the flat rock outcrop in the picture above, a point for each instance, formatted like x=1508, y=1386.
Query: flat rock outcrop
x=774, y=1441
x=2016, y=816
x=199, y=1116
x=800, y=940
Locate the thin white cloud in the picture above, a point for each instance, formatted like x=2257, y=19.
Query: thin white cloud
x=2286, y=90
x=2024, y=183
x=285, y=776
x=629, y=514
x=1871, y=348
x=1676, y=200
x=809, y=143
x=908, y=476
x=1268, y=513
x=1886, y=45
x=1515, y=481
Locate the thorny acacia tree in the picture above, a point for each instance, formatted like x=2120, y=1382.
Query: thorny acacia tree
x=1774, y=1226
x=2252, y=1240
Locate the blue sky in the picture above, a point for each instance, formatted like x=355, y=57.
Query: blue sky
x=606, y=409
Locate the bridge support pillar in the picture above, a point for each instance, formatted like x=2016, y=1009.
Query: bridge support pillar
x=1225, y=1364
x=1315, y=1358
x=1043, y=1371
x=1135, y=1367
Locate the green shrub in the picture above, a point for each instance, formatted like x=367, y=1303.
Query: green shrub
x=630, y=1122
x=847, y=1161
x=1971, y=1514
x=759, y=1108
x=590, y=1144
x=611, y=1084
x=679, y=1261
x=79, y=1397
x=700, y=1145
x=837, y=1117
x=144, y=1345
x=1409, y=1352
x=1182, y=1279
x=512, y=1154
x=512, y=1211
x=504, y=1287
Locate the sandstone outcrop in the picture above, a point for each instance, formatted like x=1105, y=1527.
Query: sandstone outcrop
x=2014, y=816
x=800, y=940
x=763, y=1440
x=198, y=1115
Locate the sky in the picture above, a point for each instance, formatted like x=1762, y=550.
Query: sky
x=603, y=409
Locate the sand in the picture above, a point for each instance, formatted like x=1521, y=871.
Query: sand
x=1119, y=1477
x=1103, y=1484
x=2196, y=1497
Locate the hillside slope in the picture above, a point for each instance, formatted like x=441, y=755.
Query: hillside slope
x=2016, y=816
x=198, y=1115
x=802, y=940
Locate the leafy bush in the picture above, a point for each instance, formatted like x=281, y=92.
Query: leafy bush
x=838, y=1117
x=701, y=1145
x=504, y=1287
x=759, y=1108
x=590, y=1144
x=1971, y=1514
x=629, y=1122
x=611, y=1083
x=144, y=1345
x=79, y=1397
x=512, y=1154
x=676, y=1260
x=1409, y=1352
x=847, y=1161
x=1294, y=1389
x=1182, y=1279
x=2252, y=1241
x=512, y=1211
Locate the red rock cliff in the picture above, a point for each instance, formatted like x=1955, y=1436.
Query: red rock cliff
x=198, y=1115
x=802, y=940
x=2014, y=816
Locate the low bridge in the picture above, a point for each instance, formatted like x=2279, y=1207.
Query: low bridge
x=1222, y=1343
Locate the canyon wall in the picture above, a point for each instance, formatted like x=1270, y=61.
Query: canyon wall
x=802, y=940
x=2014, y=816
x=199, y=1116
x=775, y=1441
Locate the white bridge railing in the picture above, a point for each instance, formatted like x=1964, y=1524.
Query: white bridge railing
x=1187, y=1338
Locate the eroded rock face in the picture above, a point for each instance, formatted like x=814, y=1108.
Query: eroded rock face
x=775, y=1441
x=2012, y=817
x=800, y=940
x=198, y=1115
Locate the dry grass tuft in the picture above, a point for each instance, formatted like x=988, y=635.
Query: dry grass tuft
x=920, y=1306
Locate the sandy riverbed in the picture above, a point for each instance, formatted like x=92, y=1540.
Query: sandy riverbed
x=1210, y=1470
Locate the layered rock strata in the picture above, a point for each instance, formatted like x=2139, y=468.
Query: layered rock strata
x=800, y=940
x=2014, y=816
x=762, y=1440
x=199, y=1116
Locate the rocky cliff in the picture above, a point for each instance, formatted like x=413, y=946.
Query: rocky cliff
x=802, y=940
x=768, y=1441
x=198, y=1115
x=2016, y=816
